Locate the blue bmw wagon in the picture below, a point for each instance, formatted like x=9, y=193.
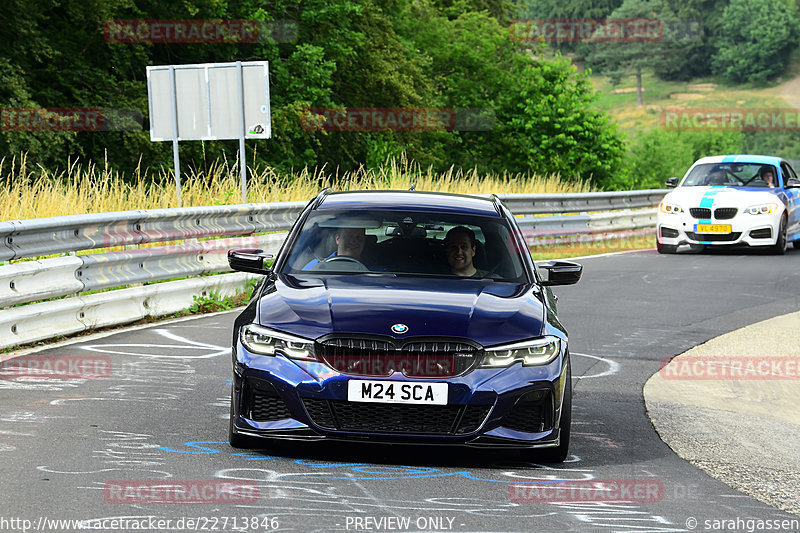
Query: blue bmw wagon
x=405, y=317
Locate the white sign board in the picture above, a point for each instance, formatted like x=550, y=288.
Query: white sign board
x=210, y=101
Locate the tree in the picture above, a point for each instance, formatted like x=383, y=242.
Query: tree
x=545, y=119
x=554, y=128
x=756, y=39
x=619, y=58
x=691, y=29
x=567, y=10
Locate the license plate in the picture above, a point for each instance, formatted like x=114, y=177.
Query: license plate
x=713, y=228
x=397, y=392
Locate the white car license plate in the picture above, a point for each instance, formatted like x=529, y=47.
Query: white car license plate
x=397, y=392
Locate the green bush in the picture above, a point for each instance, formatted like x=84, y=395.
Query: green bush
x=657, y=155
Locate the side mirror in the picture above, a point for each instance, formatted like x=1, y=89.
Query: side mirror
x=561, y=273
x=250, y=260
x=672, y=182
x=792, y=183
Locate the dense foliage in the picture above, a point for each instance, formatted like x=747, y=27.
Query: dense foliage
x=743, y=40
x=756, y=38
x=348, y=53
x=657, y=155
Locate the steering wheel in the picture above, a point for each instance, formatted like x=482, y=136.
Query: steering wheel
x=346, y=259
x=756, y=177
x=734, y=176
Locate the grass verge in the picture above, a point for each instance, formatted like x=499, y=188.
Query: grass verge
x=581, y=249
x=35, y=192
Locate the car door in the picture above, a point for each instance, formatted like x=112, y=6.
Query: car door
x=792, y=203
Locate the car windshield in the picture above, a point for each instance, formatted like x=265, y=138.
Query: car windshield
x=732, y=175
x=405, y=243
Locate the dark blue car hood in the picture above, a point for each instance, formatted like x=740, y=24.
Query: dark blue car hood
x=487, y=312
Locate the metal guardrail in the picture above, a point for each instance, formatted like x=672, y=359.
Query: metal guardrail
x=607, y=213
x=535, y=204
x=45, y=236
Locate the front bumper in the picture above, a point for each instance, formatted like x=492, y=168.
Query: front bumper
x=746, y=230
x=515, y=407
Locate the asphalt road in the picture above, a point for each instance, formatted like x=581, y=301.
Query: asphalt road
x=161, y=415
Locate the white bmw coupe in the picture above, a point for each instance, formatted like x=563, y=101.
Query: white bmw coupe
x=745, y=200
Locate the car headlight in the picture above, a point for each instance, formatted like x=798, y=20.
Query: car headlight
x=762, y=209
x=669, y=208
x=265, y=341
x=539, y=351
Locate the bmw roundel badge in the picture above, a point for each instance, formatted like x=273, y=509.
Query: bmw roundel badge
x=400, y=328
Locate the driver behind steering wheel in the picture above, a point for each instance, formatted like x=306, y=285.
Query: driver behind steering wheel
x=766, y=175
x=349, y=244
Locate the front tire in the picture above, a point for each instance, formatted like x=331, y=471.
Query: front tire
x=779, y=248
x=560, y=453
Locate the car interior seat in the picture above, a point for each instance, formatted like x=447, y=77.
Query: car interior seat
x=479, y=261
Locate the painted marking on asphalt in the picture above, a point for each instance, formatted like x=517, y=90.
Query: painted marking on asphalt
x=324, y=497
x=613, y=366
x=164, y=351
x=615, y=515
x=368, y=471
x=39, y=385
x=15, y=433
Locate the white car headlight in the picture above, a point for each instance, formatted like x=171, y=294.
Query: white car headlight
x=539, y=351
x=762, y=209
x=669, y=208
x=264, y=341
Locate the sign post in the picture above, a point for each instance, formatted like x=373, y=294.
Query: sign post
x=209, y=102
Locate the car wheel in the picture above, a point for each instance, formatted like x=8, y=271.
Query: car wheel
x=666, y=248
x=796, y=244
x=779, y=248
x=560, y=452
x=236, y=440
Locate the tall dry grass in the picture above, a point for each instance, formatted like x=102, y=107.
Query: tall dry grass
x=32, y=191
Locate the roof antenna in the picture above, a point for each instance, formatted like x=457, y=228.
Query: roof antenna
x=412, y=188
